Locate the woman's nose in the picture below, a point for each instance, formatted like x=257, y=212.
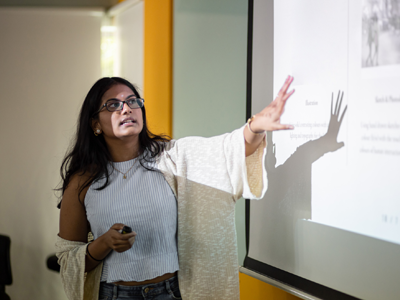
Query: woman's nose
x=125, y=108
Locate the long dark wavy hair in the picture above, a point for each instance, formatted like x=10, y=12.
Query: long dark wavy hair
x=89, y=154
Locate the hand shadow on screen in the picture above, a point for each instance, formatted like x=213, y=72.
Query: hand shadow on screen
x=289, y=187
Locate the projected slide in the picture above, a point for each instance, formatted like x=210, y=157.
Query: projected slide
x=331, y=214
x=345, y=58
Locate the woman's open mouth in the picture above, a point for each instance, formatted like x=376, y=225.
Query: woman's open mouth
x=127, y=122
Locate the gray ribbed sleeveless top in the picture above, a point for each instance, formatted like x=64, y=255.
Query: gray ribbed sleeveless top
x=145, y=202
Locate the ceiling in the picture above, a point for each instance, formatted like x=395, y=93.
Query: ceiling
x=59, y=3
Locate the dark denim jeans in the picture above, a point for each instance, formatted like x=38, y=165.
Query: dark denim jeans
x=165, y=290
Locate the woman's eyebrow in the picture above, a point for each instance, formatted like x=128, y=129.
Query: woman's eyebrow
x=127, y=97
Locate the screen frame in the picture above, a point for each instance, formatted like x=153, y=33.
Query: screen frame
x=293, y=281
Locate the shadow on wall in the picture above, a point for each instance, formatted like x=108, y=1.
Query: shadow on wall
x=289, y=187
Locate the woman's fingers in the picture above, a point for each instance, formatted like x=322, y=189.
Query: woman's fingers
x=281, y=105
x=273, y=112
x=285, y=98
x=120, y=238
x=288, y=95
x=283, y=127
x=284, y=95
x=285, y=86
x=120, y=242
x=124, y=242
x=132, y=240
x=117, y=226
x=127, y=236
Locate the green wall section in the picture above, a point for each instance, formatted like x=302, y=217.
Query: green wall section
x=209, y=81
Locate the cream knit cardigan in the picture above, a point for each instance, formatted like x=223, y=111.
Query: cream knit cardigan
x=207, y=176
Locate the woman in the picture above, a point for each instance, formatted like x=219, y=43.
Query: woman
x=178, y=197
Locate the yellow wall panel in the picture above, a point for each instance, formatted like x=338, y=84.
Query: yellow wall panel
x=158, y=64
x=254, y=289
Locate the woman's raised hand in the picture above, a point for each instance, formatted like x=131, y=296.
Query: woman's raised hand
x=117, y=241
x=269, y=119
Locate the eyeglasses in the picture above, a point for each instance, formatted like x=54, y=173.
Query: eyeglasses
x=114, y=104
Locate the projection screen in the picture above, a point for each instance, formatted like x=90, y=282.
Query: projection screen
x=329, y=223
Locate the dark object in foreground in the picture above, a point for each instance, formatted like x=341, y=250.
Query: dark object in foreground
x=126, y=229
x=52, y=263
x=5, y=266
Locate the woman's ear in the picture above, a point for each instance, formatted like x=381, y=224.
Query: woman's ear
x=95, y=124
x=96, y=127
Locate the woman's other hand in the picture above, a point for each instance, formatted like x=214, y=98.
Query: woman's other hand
x=113, y=239
x=117, y=241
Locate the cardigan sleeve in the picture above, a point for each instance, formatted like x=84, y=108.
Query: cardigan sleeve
x=219, y=162
x=78, y=285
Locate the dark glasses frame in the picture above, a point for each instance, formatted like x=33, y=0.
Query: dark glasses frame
x=139, y=102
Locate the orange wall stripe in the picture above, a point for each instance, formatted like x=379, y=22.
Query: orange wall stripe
x=254, y=289
x=158, y=64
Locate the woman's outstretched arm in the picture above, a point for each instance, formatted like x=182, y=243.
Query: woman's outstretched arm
x=267, y=120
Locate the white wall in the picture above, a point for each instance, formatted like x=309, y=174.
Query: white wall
x=49, y=58
x=130, y=36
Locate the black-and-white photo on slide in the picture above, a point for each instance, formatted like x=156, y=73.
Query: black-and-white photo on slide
x=380, y=33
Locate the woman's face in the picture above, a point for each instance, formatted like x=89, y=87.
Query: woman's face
x=120, y=124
